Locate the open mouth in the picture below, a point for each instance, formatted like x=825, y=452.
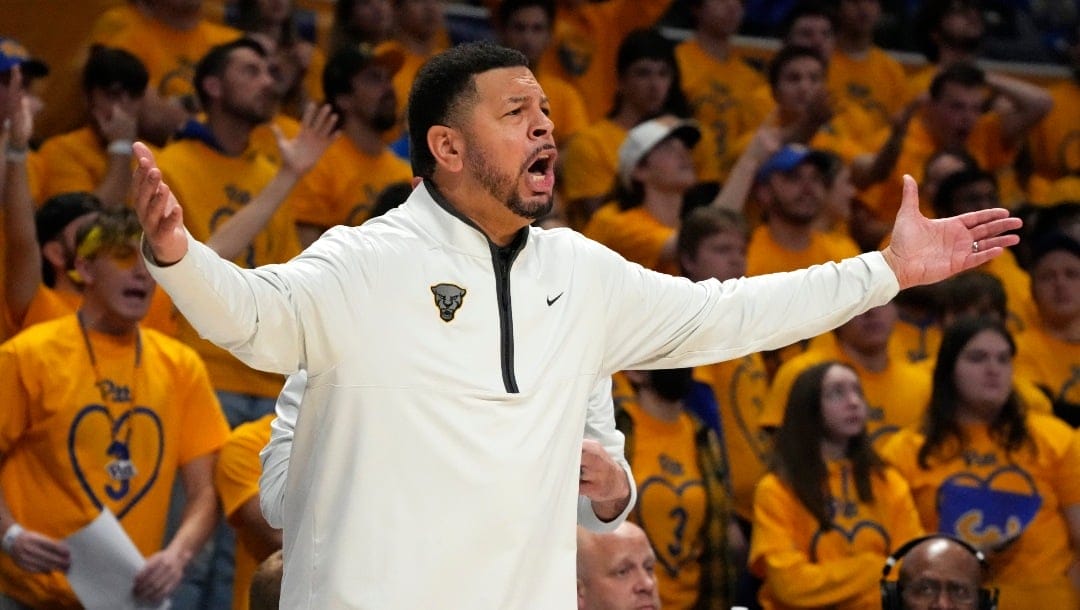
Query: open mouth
x=136, y=293
x=542, y=170
x=543, y=163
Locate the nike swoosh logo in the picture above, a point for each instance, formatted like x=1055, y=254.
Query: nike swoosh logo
x=551, y=302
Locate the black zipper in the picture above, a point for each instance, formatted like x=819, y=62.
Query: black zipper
x=502, y=259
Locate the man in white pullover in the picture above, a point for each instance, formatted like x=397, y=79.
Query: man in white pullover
x=451, y=350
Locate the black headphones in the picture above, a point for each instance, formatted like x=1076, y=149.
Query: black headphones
x=890, y=589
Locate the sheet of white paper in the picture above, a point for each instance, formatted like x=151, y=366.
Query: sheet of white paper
x=104, y=562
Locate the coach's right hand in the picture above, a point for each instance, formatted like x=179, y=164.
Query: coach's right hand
x=159, y=212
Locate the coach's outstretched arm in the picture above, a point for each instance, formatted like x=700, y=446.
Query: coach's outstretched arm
x=924, y=251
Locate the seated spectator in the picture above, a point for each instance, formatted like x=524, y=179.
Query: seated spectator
x=950, y=32
x=670, y=448
x=1049, y=349
x=419, y=34
x=655, y=172
x=955, y=118
x=340, y=189
x=862, y=72
x=979, y=294
x=933, y=567
x=986, y=470
x=791, y=187
x=168, y=37
x=655, y=176
x=615, y=571
x=358, y=22
x=298, y=63
x=830, y=511
x=96, y=158
x=718, y=82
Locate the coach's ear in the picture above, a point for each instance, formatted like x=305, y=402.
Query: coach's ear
x=447, y=146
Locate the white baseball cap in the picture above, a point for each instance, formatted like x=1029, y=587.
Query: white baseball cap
x=645, y=136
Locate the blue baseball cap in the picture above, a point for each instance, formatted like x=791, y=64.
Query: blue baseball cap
x=14, y=54
x=793, y=155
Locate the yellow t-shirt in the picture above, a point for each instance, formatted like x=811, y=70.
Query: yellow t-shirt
x=919, y=81
x=589, y=161
x=896, y=397
x=672, y=502
x=263, y=141
x=169, y=55
x=212, y=187
x=876, y=83
x=1050, y=363
x=764, y=255
x=342, y=186
x=74, y=161
x=71, y=450
x=1020, y=307
x=1055, y=142
x=740, y=387
x=236, y=478
x=719, y=93
x=805, y=566
x=984, y=495
x=914, y=343
x=633, y=233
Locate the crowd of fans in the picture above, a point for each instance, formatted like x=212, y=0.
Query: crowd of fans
x=782, y=479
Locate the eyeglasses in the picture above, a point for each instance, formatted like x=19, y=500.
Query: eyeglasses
x=927, y=590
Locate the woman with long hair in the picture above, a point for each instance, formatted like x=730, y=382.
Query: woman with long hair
x=831, y=511
x=986, y=470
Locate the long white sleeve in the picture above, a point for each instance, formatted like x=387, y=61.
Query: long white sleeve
x=275, y=456
x=600, y=426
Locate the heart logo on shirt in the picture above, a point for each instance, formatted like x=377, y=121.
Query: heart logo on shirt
x=116, y=460
x=863, y=535
x=991, y=511
x=672, y=531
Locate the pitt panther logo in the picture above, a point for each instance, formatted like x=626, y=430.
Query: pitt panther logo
x=448, y=298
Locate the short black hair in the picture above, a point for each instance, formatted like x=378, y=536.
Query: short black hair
x=507, y=8
x=943, y=203
x=789, y=53
x=107, y=67
x=965, y=74
x=649, y=43
x=216, y=60
x=928, y=20
x=54, y=215
x=806, y=8
x=443, y=88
